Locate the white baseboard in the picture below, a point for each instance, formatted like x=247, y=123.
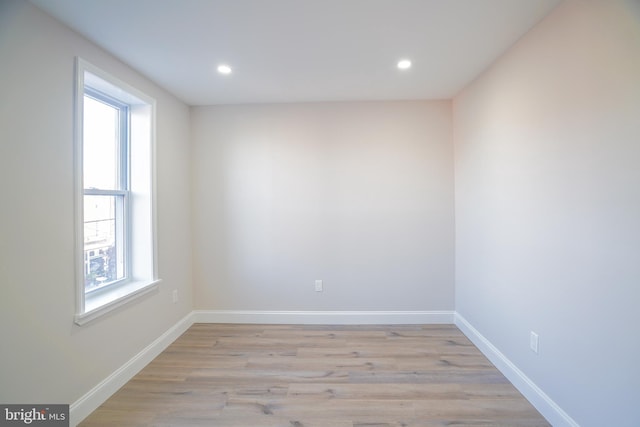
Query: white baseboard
x=324, y=317
x=538, y=398
x=81, y=408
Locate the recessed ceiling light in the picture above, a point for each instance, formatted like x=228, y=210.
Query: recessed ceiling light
x=404, y=64
x=224, y=69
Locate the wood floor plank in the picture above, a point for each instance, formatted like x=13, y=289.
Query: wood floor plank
x=270, y=376
x=489, y=411
x=318, y=376
x=322, y=363
x=435, y=392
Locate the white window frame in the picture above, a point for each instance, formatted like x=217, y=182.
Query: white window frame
x=140, y=251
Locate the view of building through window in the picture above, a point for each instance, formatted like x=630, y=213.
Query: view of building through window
x=100, y=252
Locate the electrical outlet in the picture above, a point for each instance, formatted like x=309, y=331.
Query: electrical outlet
x=533, y=342
x=175, y=296
x=318, y=285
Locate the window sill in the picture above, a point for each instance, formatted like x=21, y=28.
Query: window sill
x=100, y=303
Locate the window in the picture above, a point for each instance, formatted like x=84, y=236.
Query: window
x=115, y=204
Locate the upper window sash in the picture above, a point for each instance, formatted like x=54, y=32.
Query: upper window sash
x=123, y=134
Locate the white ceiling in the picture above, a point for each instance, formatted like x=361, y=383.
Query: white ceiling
x=303, y=50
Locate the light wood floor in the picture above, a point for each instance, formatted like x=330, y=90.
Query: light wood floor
x=318, y=376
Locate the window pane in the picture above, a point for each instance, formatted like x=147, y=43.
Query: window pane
x=103, y=240
x=100, y=145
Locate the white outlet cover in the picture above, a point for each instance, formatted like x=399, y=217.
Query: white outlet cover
x=533, y=342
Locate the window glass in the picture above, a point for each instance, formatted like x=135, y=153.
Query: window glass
x=101, y=147
x=103, y=240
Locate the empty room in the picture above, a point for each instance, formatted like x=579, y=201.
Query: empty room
x=335, y=213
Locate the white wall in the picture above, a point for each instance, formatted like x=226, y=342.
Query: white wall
x=359, y=195
x=548, y=206
x=44, y=357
